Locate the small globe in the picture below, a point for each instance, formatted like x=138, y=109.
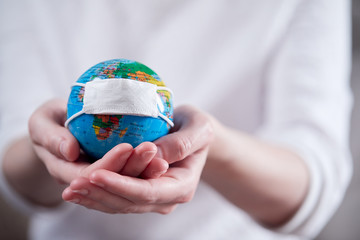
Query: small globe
x=97, y=134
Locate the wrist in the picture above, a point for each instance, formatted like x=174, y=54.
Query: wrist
x=27, y=174
x=219, y=150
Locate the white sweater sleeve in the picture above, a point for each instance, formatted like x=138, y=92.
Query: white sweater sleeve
x=23, y=83
x=308, y=106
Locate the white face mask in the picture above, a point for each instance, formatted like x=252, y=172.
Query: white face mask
x=119, y=96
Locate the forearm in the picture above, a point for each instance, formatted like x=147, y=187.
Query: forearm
x=28, y=176
x=267, y=181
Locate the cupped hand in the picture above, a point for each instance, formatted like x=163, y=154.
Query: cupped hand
x=185, y=149
x=58, y=149
x=53, y=143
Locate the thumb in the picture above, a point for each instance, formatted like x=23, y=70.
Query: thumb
x=46, y=129
x=194, y=131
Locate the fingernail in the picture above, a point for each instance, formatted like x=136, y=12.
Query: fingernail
x=83, y=192
x=75, y=200
x=148, y=154
x=97, y=183
x=63, y=149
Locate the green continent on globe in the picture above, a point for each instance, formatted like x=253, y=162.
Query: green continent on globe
x=130, y=70
x=104, y=125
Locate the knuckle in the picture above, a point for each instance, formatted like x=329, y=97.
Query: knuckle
x=183, y=147
x=52, y=143
x=149, y=197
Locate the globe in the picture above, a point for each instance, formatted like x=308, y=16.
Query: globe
x=97, y=134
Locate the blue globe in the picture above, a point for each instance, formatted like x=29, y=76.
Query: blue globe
x=97, y=134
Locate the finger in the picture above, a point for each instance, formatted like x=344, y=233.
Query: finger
x=69, y=196
x=177, y=185
x=90, y=203
x=81, y=186
x=114, y=160
x=194, y=131
x=139, y=160
x=46, y=129
x=162, y=190
x=156, y=168
x=82, y=192
x=60, y=169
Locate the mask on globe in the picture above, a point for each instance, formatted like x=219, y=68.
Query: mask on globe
x=121, y=96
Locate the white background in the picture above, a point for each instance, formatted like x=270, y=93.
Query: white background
x=345, y=223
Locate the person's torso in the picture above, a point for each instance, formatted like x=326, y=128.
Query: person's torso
x=212, y=54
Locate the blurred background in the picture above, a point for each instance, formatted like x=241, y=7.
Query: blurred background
x=345, y=223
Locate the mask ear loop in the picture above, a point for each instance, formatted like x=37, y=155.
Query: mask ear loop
x=162, y=115
x=166, y=119
x=78, y=113
x=72, y=118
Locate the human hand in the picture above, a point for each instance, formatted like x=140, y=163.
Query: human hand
x=185, y=149
x=58, y=149
x=55, y=146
